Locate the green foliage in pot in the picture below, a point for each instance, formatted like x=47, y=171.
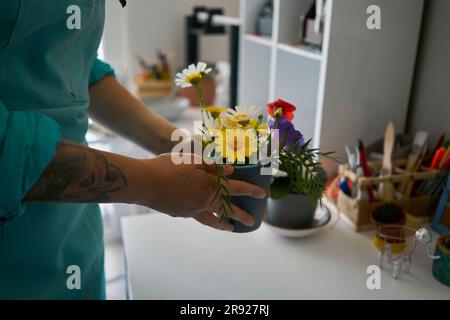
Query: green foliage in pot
x=304, y=173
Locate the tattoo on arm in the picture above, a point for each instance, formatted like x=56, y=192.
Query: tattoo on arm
x=77, y=174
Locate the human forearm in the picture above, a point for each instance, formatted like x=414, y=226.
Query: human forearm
x=80, y=174
x=114, y=107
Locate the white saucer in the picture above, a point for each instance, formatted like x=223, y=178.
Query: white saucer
x=325, y=218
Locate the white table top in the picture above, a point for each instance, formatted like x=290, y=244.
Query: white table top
x=181, y=259
x=171, y=258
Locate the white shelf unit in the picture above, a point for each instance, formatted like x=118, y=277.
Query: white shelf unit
x=265, y=41
x=351, y=89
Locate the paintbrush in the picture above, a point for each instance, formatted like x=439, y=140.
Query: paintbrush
x=420, y=140
x=410, y=185
x=386, y=190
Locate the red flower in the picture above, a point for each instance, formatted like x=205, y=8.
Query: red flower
x=287, y=108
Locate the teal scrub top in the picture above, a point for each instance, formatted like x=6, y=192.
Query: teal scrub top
x=45, y=73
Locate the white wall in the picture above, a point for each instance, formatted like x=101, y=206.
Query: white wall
x=430, y=104
x=146, y=25
x=115, y=36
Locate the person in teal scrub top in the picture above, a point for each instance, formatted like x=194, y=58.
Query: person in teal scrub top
x=50, y=181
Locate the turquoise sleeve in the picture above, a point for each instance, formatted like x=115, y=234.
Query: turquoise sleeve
x=100, y=69
x=28, y=142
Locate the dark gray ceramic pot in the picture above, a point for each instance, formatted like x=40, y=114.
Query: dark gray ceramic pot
x=255, y=207
x=294, y=211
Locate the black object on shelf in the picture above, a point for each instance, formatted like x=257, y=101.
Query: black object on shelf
x=209, y=28
x=196, y=28
x=264, y=22
x=234, y=63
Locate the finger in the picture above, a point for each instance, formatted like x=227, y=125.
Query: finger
x=214, y=169
x=242, y=216
x=210, y=220
x=241, y=188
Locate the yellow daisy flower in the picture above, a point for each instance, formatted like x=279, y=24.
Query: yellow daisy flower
x=237, y=120
x=237, y=145
x=215, y=112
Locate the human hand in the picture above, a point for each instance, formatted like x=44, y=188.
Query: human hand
x=187, y=190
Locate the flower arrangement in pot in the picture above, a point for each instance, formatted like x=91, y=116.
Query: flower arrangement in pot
x=300, y=181
x=254, y=146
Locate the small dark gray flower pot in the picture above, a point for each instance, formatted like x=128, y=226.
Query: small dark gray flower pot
x=294, y=211
x=255, y=207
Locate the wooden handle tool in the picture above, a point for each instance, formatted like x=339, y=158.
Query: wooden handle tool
x=387, y=191
x=420, y=140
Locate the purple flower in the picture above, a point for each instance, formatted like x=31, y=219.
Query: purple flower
x=294, y=139
x=288, y=135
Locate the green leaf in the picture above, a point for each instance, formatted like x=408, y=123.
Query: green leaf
x=280, y=188
x=303, y=171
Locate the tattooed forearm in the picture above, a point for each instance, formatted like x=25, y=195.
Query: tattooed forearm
x=78, y=174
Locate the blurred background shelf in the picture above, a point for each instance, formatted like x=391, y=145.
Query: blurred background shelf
x=297, y=79
x=303, y=51
x=358, y=81
x=266, y=41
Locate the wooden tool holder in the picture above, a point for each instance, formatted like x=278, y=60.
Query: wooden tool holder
x=154, y=88
x=359, y=209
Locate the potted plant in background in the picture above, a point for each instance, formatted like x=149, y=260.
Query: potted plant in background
x=300, y=181
x=242, y=138
x=155, y=80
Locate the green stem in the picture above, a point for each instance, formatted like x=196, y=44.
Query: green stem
x=201, y=100
x=201, y=96
x=222, y=190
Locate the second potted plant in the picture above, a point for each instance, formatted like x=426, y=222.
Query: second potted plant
x=300, y=182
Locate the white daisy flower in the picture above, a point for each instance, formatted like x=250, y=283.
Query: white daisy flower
x=251, y=111
x=192, y=75
x=212, y=123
